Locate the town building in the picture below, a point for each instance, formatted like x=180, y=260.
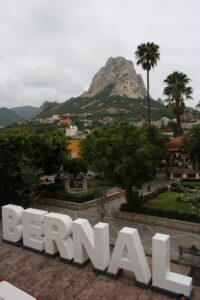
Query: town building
x=65, y=120
x=71, y=131
x=73, y=147
x=74, y=141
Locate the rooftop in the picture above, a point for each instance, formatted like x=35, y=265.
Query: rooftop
x=175, y=143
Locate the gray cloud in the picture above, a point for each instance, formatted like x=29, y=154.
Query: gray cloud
x=51, y=49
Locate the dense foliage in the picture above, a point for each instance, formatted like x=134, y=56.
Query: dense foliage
x=75, y=166
x=193, y=145
x=24, y=156
x=126, y=155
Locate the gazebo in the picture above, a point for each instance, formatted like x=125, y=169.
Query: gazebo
x=179, y=165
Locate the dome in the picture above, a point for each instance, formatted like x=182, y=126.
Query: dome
x=175, y=143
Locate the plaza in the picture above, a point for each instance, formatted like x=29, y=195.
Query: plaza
x=50, y=278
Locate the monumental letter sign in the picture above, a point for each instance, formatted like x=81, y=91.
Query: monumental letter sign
x=77, y=241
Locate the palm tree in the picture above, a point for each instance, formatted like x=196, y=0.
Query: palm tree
x=177, y=91
x=147, y=55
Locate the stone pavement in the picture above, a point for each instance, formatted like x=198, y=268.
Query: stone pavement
x=146, y=232
x=51, y=279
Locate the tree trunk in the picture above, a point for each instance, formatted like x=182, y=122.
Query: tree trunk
x=149, y=187
x=148, y=99
x=179, y=127
x=128, y=193
x=131, y=196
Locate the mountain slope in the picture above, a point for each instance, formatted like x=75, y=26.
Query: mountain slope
x=26, y=112
x=116, y=93
x=8, y=117
x=103, y=108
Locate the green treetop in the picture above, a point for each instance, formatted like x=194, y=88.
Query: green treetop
x=124, y=154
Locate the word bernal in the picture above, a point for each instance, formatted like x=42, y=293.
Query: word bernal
x=78, y=241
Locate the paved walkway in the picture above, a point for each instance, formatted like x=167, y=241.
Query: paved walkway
x=146, y=232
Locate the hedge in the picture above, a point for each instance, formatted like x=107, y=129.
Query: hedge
x=190, y=180
x=177, y=187
x=160, y=213
x=77, y=198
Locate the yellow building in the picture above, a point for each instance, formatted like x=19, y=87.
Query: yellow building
x=73, y=147
x=65, y=122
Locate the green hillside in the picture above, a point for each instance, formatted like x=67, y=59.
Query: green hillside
x=8, y=117
x=26, y=112
x=102, y=108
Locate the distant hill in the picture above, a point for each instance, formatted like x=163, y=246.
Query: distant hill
x=8, y=117
x=102, y=109
x=26, y=112
x=16, y=114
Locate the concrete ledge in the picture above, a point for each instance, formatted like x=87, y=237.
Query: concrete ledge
x=33, y=250
x=114, y=276
x=81, y=265
x=80, y=206
x=168, y=293
x=17, y=244
x=143, y=285
x=147, y=219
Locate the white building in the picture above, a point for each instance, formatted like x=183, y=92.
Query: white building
x=55, y=117
x=71, y=130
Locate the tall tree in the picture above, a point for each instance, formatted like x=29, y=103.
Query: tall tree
x=124, y=154
x=147, y=55
x=177, y=91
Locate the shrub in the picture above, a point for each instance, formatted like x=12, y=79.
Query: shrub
x=190, y=180
x=161, y=213
x=55, y=187
x=77, y=198
x=176, y=187
x=180, y=186
x=191, y=184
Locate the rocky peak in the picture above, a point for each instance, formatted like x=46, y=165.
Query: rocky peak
x=45, y=106
x=121, y=73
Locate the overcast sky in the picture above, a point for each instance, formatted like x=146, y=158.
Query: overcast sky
x=51, y=49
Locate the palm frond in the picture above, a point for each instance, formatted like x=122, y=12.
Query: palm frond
x=178, y=91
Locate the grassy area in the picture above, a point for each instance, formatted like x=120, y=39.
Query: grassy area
x=167, y=201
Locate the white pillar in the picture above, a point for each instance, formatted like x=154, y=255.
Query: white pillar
x=91, y=243
x=12, y=223
x=162, y=277
x=33, y=228
x=58, y=228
